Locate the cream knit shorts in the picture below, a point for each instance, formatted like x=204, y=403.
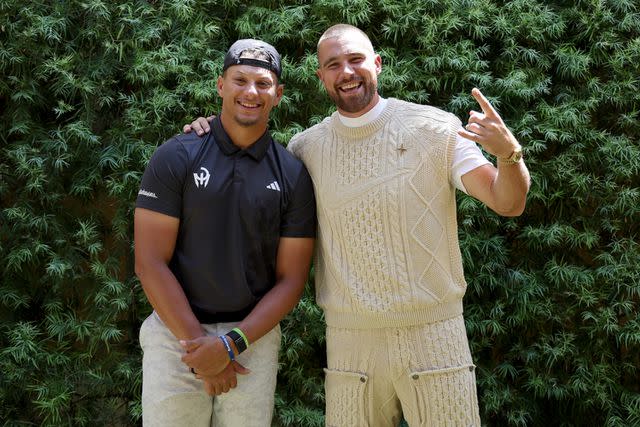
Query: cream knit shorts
x=375, y=376
x=172, y=396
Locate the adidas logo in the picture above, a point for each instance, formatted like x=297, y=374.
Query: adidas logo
x=274, y=186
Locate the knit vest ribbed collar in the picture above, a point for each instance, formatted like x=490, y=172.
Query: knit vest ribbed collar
x=368, y=129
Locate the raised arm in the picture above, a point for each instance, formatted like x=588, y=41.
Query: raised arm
x=503, y=189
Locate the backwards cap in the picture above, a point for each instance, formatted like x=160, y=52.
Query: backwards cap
x=235, y=55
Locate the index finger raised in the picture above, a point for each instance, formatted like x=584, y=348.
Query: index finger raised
x=486, y=106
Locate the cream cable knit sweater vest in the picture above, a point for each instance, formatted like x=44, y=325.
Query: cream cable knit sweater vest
x=387, y=251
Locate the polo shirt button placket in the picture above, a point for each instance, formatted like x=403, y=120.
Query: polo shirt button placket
x=236, y=168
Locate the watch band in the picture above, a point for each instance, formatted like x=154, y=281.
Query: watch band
x=514, y=157
x=238, y=340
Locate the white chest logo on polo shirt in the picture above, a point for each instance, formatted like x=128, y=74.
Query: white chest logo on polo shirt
x=202, y=178
x=274, y=186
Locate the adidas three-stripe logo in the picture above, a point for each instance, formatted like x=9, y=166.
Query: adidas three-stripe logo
x=274, y=186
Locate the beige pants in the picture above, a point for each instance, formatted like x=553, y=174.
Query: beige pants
x=424, y=372
x=172, y=396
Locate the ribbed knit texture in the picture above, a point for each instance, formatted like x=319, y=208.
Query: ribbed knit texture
x=388, y=250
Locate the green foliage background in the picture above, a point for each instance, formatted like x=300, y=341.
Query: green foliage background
x=90, y=88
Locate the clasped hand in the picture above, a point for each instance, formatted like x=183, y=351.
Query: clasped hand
x=208, y=359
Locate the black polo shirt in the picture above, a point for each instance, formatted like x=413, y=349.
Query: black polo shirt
x=233, y=205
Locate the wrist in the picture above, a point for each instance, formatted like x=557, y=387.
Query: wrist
x=239, y=339
x=227, y=346
x=514, y=157
x=233, y=346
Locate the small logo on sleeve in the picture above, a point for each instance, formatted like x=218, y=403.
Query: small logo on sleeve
x=147, y=193
x=274, y=186
x=202, y=178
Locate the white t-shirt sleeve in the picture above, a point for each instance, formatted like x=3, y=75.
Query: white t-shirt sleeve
x=467, y=157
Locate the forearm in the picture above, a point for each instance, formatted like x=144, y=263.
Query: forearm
x=510, y=188
x=271, y=309
x=208, y=356
x=168, y=299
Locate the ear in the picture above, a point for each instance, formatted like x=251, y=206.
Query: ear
x=219, y=85
x=378, y=61
x=279, y=92
x=320, y=76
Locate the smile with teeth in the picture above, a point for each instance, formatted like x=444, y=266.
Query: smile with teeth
x=350, y=86
x=248, y=104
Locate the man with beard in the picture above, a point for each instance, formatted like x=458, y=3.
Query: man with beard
x=224, y=230
x=388, y=267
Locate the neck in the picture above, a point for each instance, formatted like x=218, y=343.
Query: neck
x=367, y=117
x=242, y=136
x=367, y=129
x=365, y=110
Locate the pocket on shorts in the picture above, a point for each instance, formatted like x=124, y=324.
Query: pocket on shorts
x=347, y=399
x=447, y=397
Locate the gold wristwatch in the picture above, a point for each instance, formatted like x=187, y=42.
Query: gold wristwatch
x=515, y=157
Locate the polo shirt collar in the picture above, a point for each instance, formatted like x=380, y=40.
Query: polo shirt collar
x=257, y=150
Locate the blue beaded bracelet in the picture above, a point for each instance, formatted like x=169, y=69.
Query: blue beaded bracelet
x=227, y=346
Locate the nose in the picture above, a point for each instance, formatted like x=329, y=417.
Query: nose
x=347, y=69
x=252, y=89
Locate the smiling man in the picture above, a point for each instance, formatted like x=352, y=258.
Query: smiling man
x=224, y=229
x=389, y=274
x=354, y=89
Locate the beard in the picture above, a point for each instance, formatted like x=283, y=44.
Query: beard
x=353, y=104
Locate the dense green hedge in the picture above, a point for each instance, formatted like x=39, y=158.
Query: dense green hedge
x=90, y=88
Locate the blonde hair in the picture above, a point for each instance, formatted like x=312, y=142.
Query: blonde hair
x=339, y=30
